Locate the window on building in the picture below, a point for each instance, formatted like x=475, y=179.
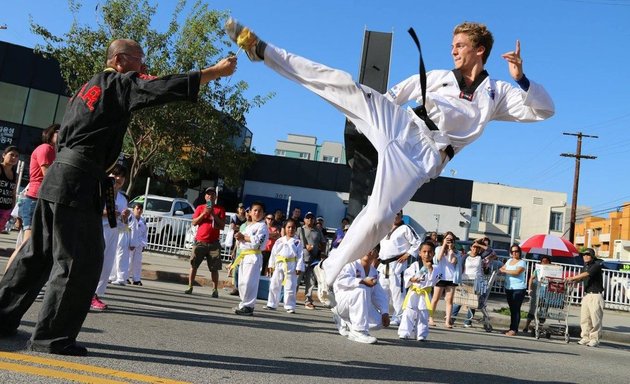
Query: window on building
x=280, y=152
x=61, y=109
x=331, y=159
x=485, y=212
x=555, y=222
x=12, y=102
x=304, y=155
x=40, y=108
x=503, y=215
x=508, y=216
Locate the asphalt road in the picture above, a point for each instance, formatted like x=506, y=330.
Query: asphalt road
x=155, y=333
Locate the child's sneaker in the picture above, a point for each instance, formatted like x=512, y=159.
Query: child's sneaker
x=97, y=304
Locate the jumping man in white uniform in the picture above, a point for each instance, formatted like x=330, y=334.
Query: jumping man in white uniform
x=460, y=102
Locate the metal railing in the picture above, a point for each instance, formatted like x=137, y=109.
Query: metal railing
x=616, y=285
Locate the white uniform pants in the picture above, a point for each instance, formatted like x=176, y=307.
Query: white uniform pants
x=136, y=263
x=414, y=319
x=248, y=279
x=275, y=286
x=110, y=235
x=393, y=286
x=120, y=272
x=407, y=155
x=355, y=307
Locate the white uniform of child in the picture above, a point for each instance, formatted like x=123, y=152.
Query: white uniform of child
x=110, y=236
x=408, y=152
x=401, y=240
x=415, y=315
x=360, y=307
x=138, y=240
x=251, y=263
x=285, y=259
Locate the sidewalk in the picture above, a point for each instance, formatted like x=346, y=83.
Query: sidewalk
x=174, y=269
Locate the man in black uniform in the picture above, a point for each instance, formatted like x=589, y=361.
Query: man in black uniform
x=67, y=239
x=592, y=300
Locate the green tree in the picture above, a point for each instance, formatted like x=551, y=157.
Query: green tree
x=178, y=140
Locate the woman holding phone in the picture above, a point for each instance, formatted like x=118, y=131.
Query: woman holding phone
x=447, y=272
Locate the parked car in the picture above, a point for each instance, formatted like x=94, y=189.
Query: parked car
x=167, y=218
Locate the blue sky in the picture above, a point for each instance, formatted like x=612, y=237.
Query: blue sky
x=578, y=49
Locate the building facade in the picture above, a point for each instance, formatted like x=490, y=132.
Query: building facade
x=306, y=148
x=600, y=233
x=506, y=214
x=33, y=96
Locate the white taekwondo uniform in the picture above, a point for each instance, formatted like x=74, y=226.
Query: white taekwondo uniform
x=138, y=239
x=408, y=152
x=111, y=238
x=286, y=258
x=359, y=306
x=417, y=302
x=402, y=239
x=251, y=263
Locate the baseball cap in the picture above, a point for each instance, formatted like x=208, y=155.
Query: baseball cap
x=241, y=205
x=309, y=214
x=588, y=251
x=210, y=190
x=319, y=218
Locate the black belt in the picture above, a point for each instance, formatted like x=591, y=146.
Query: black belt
x=389, y=261
x=421, y=111
x=77, y=160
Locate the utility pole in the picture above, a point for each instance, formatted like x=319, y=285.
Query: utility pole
x=576, y=179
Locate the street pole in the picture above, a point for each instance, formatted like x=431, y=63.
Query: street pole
x=576, y=178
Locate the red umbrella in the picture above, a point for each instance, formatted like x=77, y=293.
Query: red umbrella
x=549, y=245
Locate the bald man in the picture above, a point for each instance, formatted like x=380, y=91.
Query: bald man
x=67, y=239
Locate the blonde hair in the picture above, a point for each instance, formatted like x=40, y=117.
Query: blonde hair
x=478, y=34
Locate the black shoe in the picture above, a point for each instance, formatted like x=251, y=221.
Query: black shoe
x=234, y=292
x=67, y=350
x=215, y=294
x=138, y=283
x=245, y=311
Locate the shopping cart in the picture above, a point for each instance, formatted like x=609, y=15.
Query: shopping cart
x=553, y=299
x=474, y=295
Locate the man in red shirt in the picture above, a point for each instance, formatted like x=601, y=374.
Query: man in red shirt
x=210, y=218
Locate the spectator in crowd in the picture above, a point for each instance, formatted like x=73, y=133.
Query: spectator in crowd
x=361, y=301
x=41, y=158
x=432, y=237
x=447, y=263
x=210, y=218
x=278, y=220
x=297, y=216
x=473, y=272
x=515, y=285
x=592, y=311
x=341, y=232
x=419, y=280
x=285, y=265
x=8, y=183
x=320, y=224
x=110, y=235
x=251, y=242
x=398, y=250
x=138, y=240
x=532, y=291
x=314, y=242
x=274, y=234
